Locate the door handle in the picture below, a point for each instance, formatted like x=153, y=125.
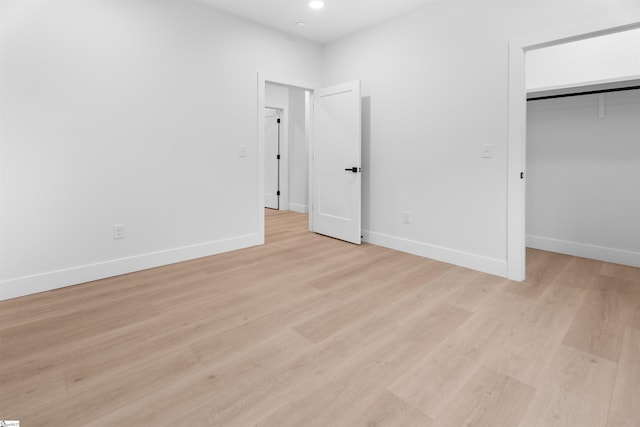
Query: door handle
x=354, y=169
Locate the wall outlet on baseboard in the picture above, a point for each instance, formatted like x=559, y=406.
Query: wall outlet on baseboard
x=487, y=151
x=406, y=217
x=118, y=231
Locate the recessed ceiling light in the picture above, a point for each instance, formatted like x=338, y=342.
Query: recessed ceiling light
x=316, y=4
x=301, y=24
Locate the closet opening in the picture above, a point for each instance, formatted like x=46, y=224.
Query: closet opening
x=582, y=156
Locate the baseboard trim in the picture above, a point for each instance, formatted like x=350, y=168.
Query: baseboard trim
x=21, y=286
x=488, y=265
x=601, y=253
x=298, y=208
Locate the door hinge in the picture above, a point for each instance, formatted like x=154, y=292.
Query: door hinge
x=278, y=157
x=278, y=120
x=278, y=193
x=521, y=175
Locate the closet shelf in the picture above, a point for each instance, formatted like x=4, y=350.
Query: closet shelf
x=586, y=88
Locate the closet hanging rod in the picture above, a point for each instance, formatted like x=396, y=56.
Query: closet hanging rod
x=591, y=92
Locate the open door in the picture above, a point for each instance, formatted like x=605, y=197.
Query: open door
x=336, y=193
x=272, y=158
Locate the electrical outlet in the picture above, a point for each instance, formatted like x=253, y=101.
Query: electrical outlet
x=406, y=217
x=487, y=151
x=118, y=231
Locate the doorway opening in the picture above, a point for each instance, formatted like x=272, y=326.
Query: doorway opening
x=324, y=127
x=517, y=132
x=286, y=148
x=583, y=151
x=284, y=140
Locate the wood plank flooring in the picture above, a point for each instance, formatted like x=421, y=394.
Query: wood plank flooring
x=311, y=331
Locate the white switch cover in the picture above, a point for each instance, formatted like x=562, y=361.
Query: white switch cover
x=242, y=152
x=487, y=151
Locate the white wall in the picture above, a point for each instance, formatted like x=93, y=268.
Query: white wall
x=610, y=57
x=294, y=145
x=128, y=112
x=583, y=186
x=276, y=96
x=435, y=90
x=298, y=153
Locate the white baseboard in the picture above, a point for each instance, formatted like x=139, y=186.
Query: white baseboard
x=601, y=253
x=21, y=286
x=298, y=208
x=497, y=267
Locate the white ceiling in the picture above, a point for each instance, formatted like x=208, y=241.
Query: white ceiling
x=337, y=19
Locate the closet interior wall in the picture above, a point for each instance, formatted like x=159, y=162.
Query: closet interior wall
x=583, y=176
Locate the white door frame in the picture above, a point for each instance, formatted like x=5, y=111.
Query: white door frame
x=263, y=78
x=517, y=127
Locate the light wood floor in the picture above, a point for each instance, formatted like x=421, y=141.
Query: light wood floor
x=311, y=331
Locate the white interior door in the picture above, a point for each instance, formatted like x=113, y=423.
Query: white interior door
x=271, y=159
x=336, y=186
